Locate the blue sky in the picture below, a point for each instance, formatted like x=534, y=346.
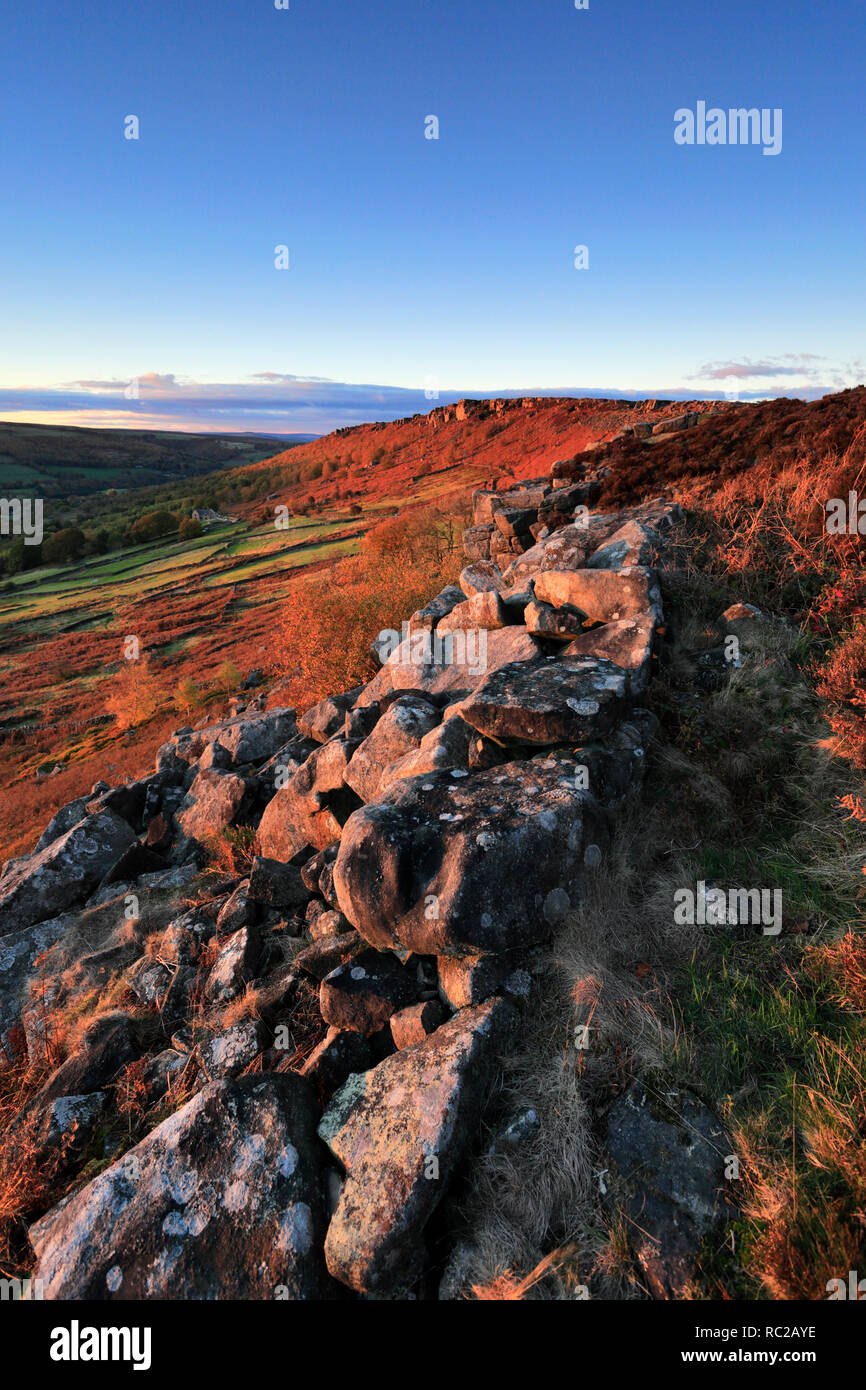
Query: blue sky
x=441, y=264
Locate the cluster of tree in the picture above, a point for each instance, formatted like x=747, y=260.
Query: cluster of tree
x=71, y=543
x=137, y=694
x=60, y=548
x=152, y=527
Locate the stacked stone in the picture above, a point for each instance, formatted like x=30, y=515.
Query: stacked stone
x=421, y=839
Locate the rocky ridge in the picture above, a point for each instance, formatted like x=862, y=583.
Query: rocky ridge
x=419, y=841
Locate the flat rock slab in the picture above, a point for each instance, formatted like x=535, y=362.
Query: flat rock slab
x=568, y=700
x=63, y=873
x=451, y=665
x=627, y=643
x=455, y=866
x=221, y=1201
x=400, y=1132
x=605, y=595
x=668, y=1153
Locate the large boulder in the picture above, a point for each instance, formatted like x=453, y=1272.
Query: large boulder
x=415, y=1023
x=19, y=952
x=363, y=992
x=566, y=549
x=572, y=700
x=62, y=821
x=220, y=1201
x=445, y=747
x=484, y=577
x=401, y=1131
x=277, y=885
x=399, y=731
x=228, y=1053
x=327, y=718
x=557, y=624
x=485, y=504
x=235, y=965
x=527, y=496
x=570, y=547
x=340, y=1053
x=515, y=521
x=476, y=542
x=482, y=610
x=604, y=595
x=635, y=543
x=245, y=738
x=449, y=666
x=215, y=800
x=327, y=952
x=106, y=1046
x=426, y=618
x=311, y=808
x=456, y=866
x=63, y=873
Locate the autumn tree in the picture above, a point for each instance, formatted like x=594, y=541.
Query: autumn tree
x=228, y=677
x=152, y=526
x=187, y=696
x=63, y=546
x=136, y=695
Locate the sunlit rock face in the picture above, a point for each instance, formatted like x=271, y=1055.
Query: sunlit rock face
x=222, y=1200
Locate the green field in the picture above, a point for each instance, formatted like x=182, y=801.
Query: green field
x=89, y=592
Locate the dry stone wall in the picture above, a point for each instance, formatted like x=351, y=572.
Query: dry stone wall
x=420, y=839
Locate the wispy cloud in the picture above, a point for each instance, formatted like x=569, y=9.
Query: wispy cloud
x=282, y=403
x=814, y=375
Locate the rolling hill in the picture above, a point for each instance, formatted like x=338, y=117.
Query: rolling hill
x=63, y=461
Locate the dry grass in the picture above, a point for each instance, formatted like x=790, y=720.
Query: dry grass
x=323, y=642
x=739, y=792
x=28, y=1173
x=231, y=851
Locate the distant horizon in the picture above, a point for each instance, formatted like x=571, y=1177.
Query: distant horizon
x=171, y=406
